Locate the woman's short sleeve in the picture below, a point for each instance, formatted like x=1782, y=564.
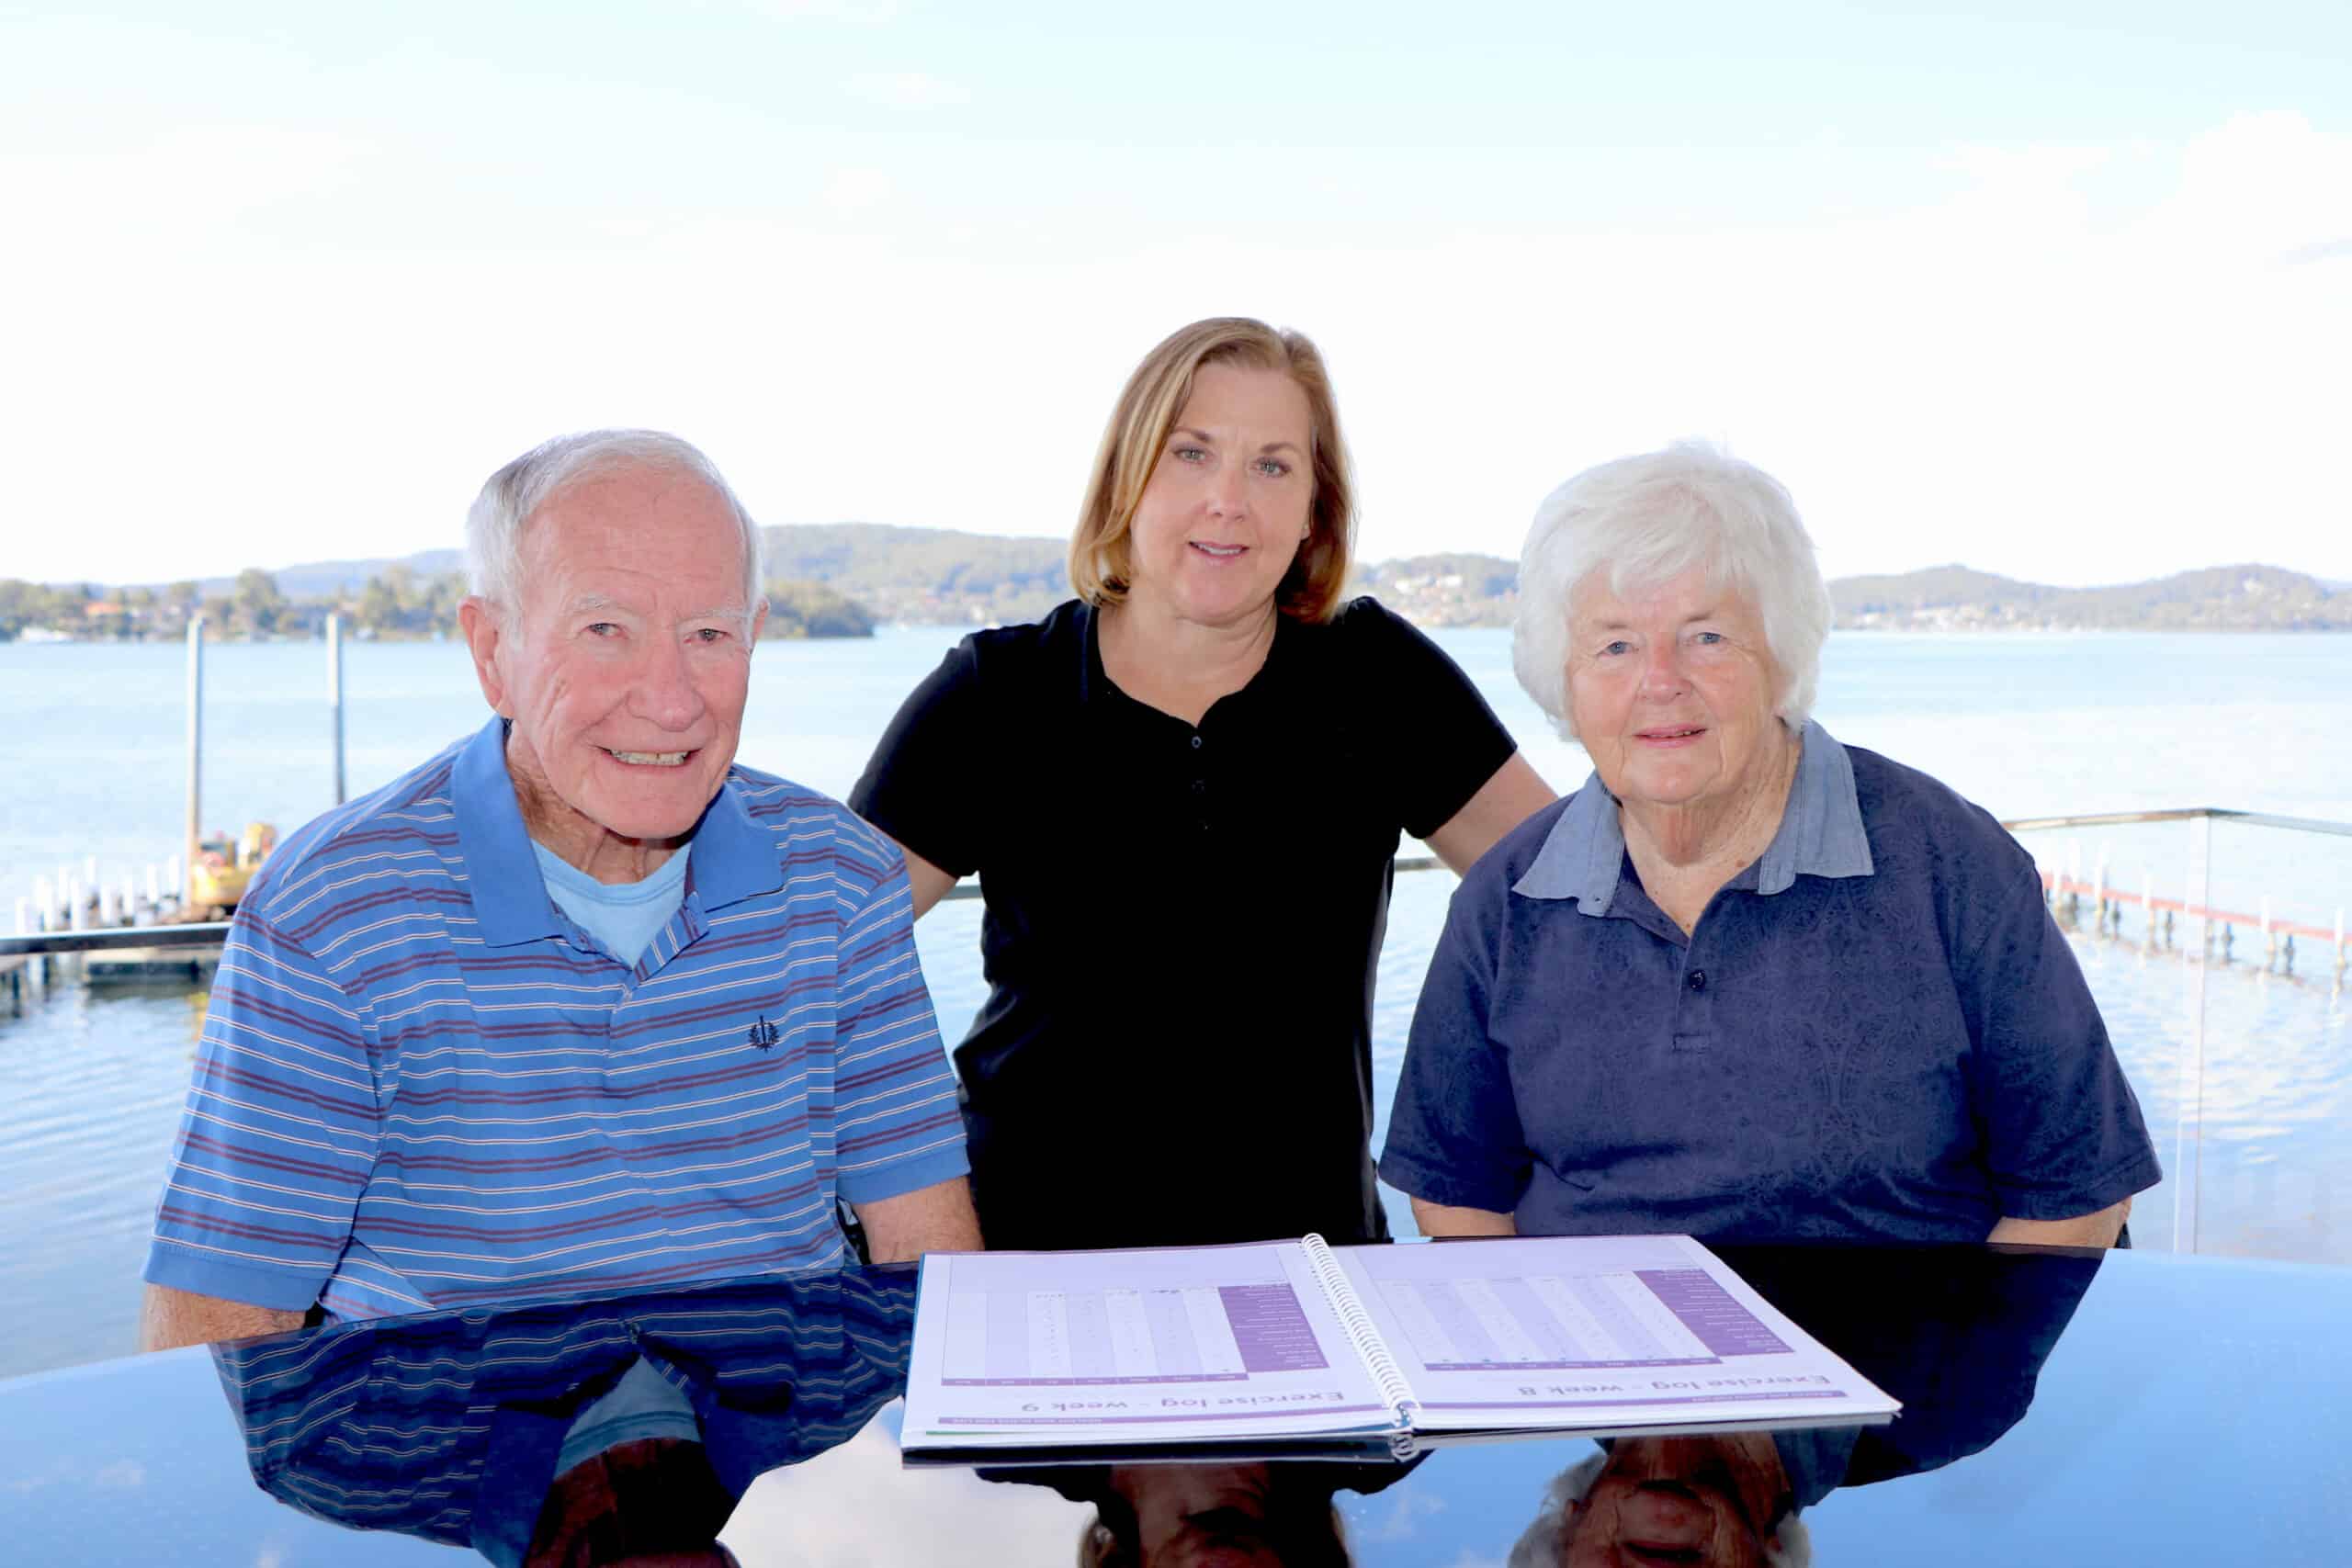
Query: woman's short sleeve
x=1448, y=741
x=924, y=785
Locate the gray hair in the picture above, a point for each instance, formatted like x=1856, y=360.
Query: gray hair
x=1647, y=520
x=513, y=495
x=1544, y=1541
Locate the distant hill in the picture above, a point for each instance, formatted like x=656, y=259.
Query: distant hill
x=2220, y=598
x=928, y=575
x=946, y=576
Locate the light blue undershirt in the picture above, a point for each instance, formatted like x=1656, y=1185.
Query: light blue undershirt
x=624, y=916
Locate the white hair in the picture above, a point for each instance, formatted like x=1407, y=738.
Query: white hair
x=1646, y=520
x=1544, y=1541
x=513, y=495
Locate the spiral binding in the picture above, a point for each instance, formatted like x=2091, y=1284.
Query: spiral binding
x=1375, y=1354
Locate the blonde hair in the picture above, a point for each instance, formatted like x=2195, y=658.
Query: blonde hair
x=1101, y=565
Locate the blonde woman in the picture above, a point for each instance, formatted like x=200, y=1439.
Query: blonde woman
x=1182, y=792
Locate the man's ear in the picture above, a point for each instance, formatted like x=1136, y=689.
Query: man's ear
x=759, y=621
x=484, y=628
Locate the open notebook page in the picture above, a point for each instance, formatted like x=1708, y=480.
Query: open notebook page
x=1160, y=1345
x=1594, y=1331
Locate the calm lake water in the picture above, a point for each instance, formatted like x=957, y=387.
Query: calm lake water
x=2027, y=726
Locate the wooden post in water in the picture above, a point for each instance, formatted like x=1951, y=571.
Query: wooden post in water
x=195, y=761
x=334, y=693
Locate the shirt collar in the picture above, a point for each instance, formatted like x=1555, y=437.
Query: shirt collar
x=1096, y=685
x=729, y=858
x=503, y=877
x=1820, y=834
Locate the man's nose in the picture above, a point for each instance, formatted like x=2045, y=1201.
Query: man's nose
x=666, y=692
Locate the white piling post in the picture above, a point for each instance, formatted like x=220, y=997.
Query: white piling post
x=2098, y=896
x=154, y=885
x=2269, y=943
x=129, y=900
x=90, y=870
x=195, y=755
x=43, y=902
x=24, y=916
x=335, y=695
x=172, y=880
x=2339, y=939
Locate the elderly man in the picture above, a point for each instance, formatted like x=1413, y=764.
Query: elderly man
x=577, y=1004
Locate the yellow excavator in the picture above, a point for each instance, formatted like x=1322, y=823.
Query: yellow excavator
x=225, y=866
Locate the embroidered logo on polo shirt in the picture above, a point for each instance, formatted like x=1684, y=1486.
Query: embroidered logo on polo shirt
x=765, y=1034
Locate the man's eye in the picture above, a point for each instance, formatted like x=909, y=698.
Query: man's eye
x=603, y=629
x=1619, y=646
x=1708, y=637
x=710, y=635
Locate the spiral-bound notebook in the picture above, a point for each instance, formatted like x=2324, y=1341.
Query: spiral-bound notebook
x=1278, y=1345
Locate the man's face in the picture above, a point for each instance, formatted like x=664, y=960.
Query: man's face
x=625, y=664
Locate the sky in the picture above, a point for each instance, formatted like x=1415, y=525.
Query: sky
x=2057, y=290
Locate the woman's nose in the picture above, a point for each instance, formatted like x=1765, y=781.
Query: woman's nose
x=1662, y=671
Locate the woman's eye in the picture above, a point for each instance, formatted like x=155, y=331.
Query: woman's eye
x=1273, y=467
x=1188, y=454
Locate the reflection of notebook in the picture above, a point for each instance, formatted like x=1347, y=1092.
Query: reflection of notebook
x=1277, y=1343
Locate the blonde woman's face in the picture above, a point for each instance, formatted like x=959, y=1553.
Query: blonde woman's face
x=1226, y=507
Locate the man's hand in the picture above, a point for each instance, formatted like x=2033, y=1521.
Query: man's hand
x=937, y=1218
x=170, y=1318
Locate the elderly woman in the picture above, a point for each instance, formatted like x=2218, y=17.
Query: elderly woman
x=1746, y=983
x=1182, y=793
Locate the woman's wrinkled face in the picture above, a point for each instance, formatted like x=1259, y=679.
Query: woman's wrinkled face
x=1226, y=506
x=1688, y=1503
x=1671, y=690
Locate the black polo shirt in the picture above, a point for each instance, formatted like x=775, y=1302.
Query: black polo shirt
x=1182, y=922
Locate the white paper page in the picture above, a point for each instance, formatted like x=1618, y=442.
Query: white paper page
x=1140, y=1347
x=1594, y=1331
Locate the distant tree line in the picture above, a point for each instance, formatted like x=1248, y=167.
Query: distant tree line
x=396, y=604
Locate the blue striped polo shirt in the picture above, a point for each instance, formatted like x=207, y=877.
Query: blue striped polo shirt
x=450, y=1427
x=421, y=1085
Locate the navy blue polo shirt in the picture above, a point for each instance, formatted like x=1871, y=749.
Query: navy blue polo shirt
x=1874, y=1032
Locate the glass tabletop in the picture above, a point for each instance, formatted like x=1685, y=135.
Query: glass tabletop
x=2117, y=1407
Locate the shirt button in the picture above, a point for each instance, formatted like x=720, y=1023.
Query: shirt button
x=1200, y=787
x=1196, y=742
x=1697, y=980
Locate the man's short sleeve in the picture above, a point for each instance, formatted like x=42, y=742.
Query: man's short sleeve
x=1448, y=741
x=925, y=783
x=2064, y=1133
x=897, y=1126
x=1455, y=1136
x=278, y=1135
